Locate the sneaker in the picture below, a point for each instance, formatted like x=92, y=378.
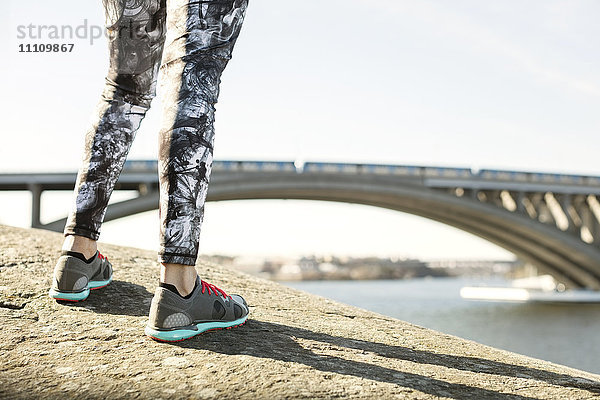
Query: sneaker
x=74, y=276
x=174, y=317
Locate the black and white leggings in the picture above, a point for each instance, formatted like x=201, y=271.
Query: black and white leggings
x=198, y=38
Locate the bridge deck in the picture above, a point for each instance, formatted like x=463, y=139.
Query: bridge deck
x=549, y=220
x=145, y=171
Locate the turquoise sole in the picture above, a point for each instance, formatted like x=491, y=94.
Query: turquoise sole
x=182, y=334
x=57, y=295
x=98, y=284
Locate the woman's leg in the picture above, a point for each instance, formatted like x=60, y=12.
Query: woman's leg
x=136, y=37
x=196, y=54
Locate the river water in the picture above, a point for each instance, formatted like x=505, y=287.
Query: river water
x=567, y=334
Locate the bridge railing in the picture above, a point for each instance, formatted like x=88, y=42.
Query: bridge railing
x=385, y=169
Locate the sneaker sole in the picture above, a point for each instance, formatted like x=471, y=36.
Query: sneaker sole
x=178, y=335
x=79, y=296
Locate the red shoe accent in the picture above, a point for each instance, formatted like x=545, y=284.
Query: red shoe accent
x=215, y=290
x=100, y=287
x=167, y=341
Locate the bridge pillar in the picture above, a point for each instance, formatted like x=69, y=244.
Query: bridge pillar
x=36, y=204
x=565, y=201
x=472, y=193
x=594, y=206
x=579, y=212
x=495, y=197
x=520, y=200
x=558, y=213
x=544, y=215
x=529, y=206
x=588, y=229
x=508, y=200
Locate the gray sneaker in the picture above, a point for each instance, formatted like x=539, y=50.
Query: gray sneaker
x=74, y=276
x=207, y=308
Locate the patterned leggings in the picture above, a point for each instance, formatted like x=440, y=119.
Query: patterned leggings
x=199, y=38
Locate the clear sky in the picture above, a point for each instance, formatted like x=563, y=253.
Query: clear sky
x=508, y=85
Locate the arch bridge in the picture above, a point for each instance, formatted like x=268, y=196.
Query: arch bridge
x=549, y=220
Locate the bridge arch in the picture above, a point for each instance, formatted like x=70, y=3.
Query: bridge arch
x=570, y=261
x=476, y=202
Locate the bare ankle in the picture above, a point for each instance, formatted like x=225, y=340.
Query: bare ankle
x=80, y=244
x=183, y=277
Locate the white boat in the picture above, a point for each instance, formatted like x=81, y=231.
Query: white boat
x=536, y=289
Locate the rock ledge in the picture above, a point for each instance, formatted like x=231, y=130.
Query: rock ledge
x=295, y=345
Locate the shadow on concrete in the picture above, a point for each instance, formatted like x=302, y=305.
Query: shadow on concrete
x=126, y=298
x=279, y=342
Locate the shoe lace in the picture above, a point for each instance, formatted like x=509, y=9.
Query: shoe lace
x=210, y=287
x=100, y=256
